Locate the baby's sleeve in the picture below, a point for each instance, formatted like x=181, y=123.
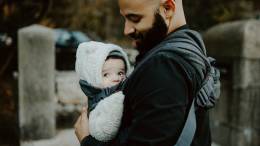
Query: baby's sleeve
x=105, y=118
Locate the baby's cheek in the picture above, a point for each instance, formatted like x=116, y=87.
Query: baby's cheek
x=124, y=77
x=104, y=83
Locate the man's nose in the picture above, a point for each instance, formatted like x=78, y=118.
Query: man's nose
x=128, y=28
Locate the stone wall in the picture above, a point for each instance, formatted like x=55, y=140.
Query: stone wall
x=36, y=82
x=236, y=46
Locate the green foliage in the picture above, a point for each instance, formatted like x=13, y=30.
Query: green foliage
x=96, y=17
x=102, y=18
x=203, y=14
x=15, y=14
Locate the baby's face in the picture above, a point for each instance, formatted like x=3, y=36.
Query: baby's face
x=113, y=72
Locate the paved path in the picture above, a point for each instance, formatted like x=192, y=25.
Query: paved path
x=63, y=138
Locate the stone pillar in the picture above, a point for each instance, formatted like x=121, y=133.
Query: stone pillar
x=36, y=56
x=236, y=118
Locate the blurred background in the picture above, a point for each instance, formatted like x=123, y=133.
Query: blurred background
x=231, y=29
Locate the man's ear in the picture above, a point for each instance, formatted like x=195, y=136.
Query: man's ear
x=168, y=7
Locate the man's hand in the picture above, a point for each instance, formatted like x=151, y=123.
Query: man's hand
x=82, y=125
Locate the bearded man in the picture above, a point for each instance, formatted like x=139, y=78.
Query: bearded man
x=165, y=81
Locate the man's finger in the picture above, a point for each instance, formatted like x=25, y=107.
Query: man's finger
x=78, y=121
x=81, y=126
x=84, y=110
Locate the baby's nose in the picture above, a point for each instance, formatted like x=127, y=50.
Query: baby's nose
x=116, y=79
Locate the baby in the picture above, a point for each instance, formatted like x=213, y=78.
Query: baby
x=102, y=68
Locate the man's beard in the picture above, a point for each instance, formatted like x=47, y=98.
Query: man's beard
x=148, y=40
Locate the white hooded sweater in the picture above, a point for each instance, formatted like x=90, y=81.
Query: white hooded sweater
x=105, y=118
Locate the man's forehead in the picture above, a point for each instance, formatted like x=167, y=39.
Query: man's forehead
x=133, y=6
x=138, y=2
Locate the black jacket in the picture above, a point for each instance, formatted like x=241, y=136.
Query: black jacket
x=158, y=95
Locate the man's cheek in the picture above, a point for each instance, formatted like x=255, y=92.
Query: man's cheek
x=143, y=27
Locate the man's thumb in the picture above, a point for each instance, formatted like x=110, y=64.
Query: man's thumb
x=84, y=110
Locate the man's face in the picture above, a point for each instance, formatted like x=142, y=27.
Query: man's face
x=143, y=23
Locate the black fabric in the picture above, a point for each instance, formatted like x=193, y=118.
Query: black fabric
x=158, y=95
x=189, y=45
x=116, y=53
x=157, y=109
x=183, y=27
x=97, y=94
x=91, y=141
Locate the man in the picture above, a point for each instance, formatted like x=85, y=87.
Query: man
x=160, y=91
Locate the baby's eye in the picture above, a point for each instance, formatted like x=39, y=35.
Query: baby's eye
x=121, y=73
x=105, y=74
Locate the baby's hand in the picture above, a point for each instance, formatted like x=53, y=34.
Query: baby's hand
x=105, y=119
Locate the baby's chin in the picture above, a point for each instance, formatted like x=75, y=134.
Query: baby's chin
x=110, y=85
